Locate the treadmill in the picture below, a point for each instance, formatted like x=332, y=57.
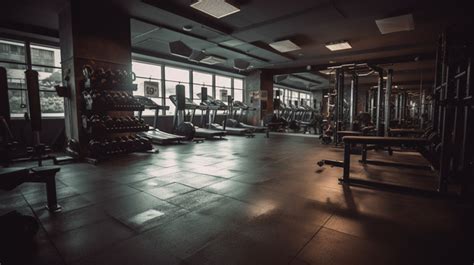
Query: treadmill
x=190, y=105
x=244, y=108
x=156, y=136
x=211, y=106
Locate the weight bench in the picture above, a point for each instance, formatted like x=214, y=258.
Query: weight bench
x=405, y=132
x=12, y=177
x=349, y=141
x=270, y=125
x=342, y=134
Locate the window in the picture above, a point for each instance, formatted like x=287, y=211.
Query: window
x=16, y=89
x=44, y=55
x=44, y=59
x=201, y=80
x=47, y=61
x=239, y=89
x=293, y=96
x=12, y=51
x=173, y=77
x=146, y=72
x=223, y=87
x=48, y=78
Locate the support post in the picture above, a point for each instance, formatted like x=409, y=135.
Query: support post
x=336, y=102
x=372, y=103
x=397, y=116
x=347, y=161
x=354, y=95
x=379, y=104
x=388, y=92
x=400, y=108
x=367, y=101
x=339, y=117
x=422, y=108
x=364, y=154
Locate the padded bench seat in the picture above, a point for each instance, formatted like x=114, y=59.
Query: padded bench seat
x=341, y=134
x=349, y=141
x=11, y=177
x=385, y=141
x=405, y=132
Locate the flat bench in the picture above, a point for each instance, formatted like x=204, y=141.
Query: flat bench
x=269, y=125
x=342, y=134
x=405, y=132
x=11, y=177
x=349, y=141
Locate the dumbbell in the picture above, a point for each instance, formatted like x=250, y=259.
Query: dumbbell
x=137, y=123
x=95, y=121
x=118, y=145
x=120, y=76
x=95, y=147
x=87, y=71
x=98, y=77
x=145, y=143
x=108, y=122
x=130, y=143
x=120, y=123
x=133, y=123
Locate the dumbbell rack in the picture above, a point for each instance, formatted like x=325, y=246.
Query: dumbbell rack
x=107, y=115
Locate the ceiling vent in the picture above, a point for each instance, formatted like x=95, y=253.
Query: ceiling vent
x=197, y=56
x=215, y=8
x=240, y=64
x=232, y=43
x=212, y=59
x=281, y=78
x=396, y=24
x=180, y=49
x=284, y=46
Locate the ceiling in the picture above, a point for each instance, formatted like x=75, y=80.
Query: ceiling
x=246, y=34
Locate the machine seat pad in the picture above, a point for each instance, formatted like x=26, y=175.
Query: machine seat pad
x=389, y=141
x=11, y=177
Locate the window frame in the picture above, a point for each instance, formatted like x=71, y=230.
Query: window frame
x=192, y=84
x=27, y=64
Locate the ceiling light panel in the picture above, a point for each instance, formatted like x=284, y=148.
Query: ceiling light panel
x=337, y=46
x=285, y=46
x=212, y=59
x=215, y=8
x=396, y=24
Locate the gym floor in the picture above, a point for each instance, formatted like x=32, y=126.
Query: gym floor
x=242, y=201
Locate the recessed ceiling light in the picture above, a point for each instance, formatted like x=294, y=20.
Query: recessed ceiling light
x=187, y=28
x=396, y=24
x=285, y=46
x=339, y=45
x=215, y=8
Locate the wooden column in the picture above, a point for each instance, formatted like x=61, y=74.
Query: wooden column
x=259, y=95
x=96, y=34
